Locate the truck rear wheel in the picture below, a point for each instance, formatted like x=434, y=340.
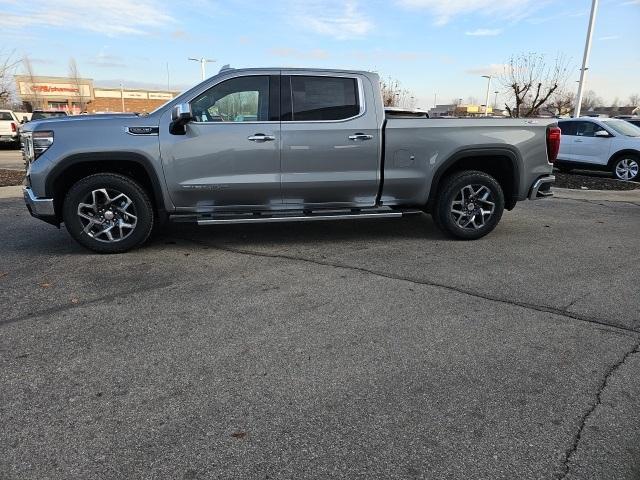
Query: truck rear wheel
x=469, y=205
x=108, y=213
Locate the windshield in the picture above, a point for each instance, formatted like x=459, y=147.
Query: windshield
x=623, y=127
x=41, y=115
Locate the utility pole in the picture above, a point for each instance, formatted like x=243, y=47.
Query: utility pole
x=122, y=95
x=168, y=88
x=203, y=61
x=585, y=58
x=486, y=101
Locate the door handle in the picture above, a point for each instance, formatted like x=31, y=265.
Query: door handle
x=261, y=137
x=360, y=136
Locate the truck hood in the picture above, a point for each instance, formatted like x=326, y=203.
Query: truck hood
x=108, y=119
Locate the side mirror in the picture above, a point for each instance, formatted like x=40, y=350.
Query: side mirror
x=24, y=120
x=180, y=116
x=602, y=134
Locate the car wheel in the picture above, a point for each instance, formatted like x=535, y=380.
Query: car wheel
x=108, y=213
x=627, y=167
x=469, y=205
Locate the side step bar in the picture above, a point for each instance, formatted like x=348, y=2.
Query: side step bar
x=297, y=216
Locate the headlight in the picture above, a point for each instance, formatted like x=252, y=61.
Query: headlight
x=42, y=140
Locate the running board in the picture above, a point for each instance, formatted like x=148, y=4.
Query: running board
x=270, y=217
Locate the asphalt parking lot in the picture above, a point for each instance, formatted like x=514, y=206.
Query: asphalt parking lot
x=329, y=350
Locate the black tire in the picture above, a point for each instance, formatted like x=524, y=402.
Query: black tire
x=140, y=209
x=451, y=191
x=632, y=165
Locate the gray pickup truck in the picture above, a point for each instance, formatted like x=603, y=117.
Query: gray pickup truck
x=277, y=145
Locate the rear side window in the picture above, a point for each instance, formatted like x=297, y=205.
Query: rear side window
x=567, y=128
x=324, y=98
x=6, y=116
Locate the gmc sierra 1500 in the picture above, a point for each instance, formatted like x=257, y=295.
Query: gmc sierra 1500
x=275, y=145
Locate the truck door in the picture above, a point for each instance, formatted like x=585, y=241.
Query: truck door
x=330, y=141
x=230, y=154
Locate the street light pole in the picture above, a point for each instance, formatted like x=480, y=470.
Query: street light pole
x=486, y=101
x=203, y=61
x=585, y=58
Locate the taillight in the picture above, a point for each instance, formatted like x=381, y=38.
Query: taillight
x=553, y=143
x=14, y=127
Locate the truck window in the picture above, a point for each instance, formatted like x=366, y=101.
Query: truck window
x=242, y=99
x=6, y=116
x=324, y=98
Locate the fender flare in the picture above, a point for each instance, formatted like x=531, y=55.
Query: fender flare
x=474, y=152
x=91, y=157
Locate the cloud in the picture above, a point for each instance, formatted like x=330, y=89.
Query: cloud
x=609, y=37
x=109, y=17
x=340, y=20
x=316, y=54
x=105, y=60
x=494, y=69
x=445, y=11
x=484, y=32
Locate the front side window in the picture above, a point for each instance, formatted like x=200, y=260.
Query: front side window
x=587, y=129
x=242, y=99
x=324, y=98
x=567, y=128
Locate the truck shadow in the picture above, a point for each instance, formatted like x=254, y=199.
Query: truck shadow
x=323, y=232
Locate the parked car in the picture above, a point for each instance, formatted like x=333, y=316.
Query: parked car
x=602, y=144
x=317, y=146
x=9, y=128
x=44, y=114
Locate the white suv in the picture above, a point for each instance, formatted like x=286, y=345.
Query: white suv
x=9, y=128
x=600, y=143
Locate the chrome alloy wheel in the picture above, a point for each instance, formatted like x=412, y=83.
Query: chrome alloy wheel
x=627, y=169
x=473, y=206
x=108, y=215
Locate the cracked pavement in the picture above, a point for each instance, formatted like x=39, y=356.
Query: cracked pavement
x=360, y=349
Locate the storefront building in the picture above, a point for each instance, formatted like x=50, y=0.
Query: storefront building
x=79, y=95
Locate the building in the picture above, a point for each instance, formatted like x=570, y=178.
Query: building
x=453, y=110
x=77, y=95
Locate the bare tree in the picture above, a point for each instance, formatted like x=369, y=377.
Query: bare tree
x=634, y=100
x=393, y=95
x=590, y=101
x=562, y=102
x=36, y=102
x=8, y=66
x=531, y=81
x=75, y=77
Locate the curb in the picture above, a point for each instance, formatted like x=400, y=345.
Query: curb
x=629, y=196
x=11, y=192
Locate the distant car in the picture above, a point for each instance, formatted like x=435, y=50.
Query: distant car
x=9, y=128
x=600, y=144
x=44, y=114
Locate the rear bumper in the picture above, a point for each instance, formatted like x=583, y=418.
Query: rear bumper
x=41, y=208
x=541, y=188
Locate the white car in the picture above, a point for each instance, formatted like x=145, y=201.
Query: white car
x=9, y=128
x=600, y=143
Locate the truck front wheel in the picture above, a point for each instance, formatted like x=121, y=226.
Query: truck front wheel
x=469, y=205
x=108, y=213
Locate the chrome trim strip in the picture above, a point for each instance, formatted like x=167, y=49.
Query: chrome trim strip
x=154, y=134
x=40, y=207
x=535, y=189
x=309, y=218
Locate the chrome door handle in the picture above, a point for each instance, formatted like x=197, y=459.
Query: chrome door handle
x=360, y=136
x=261, y=137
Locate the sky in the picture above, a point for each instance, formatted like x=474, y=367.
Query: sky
x=436, y=49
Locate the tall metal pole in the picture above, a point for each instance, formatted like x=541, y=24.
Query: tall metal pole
x=122, y=95
x=486, y=101
x=585, y=58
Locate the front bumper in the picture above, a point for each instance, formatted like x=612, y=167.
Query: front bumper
x=541, y=188
x=41, y=208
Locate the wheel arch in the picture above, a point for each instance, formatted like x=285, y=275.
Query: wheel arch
x=74, y=167
x=503, y=163
x=620, y=153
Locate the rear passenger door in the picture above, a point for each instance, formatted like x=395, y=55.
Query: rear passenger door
x=330, y=146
